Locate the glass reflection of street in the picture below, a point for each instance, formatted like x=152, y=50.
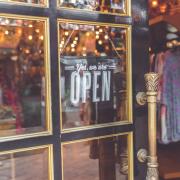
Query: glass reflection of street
x=99, y=159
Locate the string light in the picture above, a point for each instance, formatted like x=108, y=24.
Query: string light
x=30, y=37
x=106, y=37
x=100, y=42
x=97, y=32
x=76, y=38
x=27, y=51
x=66, y=33
x=72, y=45
x=87, y=34
x=74, y=42
x=19, y=31
x=101, y=30
x=154, y=3
x=97, y=36
x=30, y=26
x=163, y=8
x=84, y=48
x=73, y=49
x=41, y=37
x=37, y=30
x=6, y=32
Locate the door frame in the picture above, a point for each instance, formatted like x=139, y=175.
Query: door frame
x=139, y=22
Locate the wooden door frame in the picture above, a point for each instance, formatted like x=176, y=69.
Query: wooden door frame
x=139, y=22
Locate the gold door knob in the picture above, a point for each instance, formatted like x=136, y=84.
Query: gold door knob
x=152, y=82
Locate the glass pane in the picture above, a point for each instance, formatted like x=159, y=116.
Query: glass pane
x=105, y=6
x=93, y=74
x=25, y=165
x=98, y=159
x=40, y=2
x=22, y=76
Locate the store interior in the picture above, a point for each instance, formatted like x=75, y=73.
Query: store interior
x=94, y=47
x=165, y=60
x=22, y=76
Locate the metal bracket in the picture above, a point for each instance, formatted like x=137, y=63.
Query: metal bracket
x=142, y=155
x=141, y=98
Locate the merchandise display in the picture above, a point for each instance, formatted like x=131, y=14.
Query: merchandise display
x=113, y=6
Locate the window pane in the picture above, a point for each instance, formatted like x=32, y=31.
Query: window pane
x=113, y=6
x=25, y=165
x=22, y=76
x=40, y=2
x=94, y=82
x=105, y=159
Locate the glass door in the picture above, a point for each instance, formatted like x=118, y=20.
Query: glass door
x=68, y=77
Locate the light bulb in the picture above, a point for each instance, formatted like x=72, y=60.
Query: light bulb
x=30, y=37
x=154, y=3
x=106, y=37
x=97, y=36
x=72, y=45
x=66, y=33
x=41, y=37
x=101, y=30
x=87, y=34
x=6, y=32
x=100, y=42
x=73, y=49
x=37, y=30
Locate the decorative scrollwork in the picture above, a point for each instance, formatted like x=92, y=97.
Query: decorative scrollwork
x=152, y=173
x=152, y=81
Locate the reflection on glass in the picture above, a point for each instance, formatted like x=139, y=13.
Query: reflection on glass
x=22, y=76
x=41, y=2
x=25, y=165
x=105, y=6
x=99, y=159
x=93, y=74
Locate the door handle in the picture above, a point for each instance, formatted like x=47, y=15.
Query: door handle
x=152, y=83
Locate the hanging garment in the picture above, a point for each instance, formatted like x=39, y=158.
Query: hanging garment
x=157, y=62
x=171, y=98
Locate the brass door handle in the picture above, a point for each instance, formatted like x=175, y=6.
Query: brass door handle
x=152, y=82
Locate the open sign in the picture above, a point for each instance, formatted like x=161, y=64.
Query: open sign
x=80, y=84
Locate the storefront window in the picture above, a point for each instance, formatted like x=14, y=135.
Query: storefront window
x=40, y=2
x=104, y=158
x=94, y=82
x=104, y=6
x=31, y=164
x=22, y=76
